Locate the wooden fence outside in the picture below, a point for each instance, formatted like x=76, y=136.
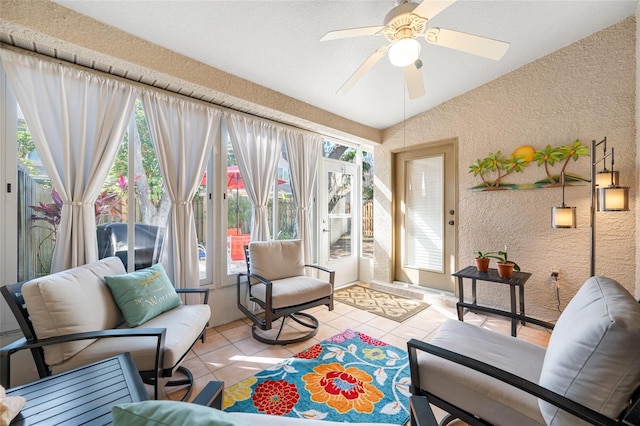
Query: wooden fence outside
x=367, y=219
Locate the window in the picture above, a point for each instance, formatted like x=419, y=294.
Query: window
x=116, y=208
x=133, y=196
x=39, y=207
x=132, y=204
x=238, y=214
x=338, y=151
x=284, y=212
x=281, y=206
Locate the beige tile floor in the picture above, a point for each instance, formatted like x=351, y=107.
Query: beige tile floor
x=230, y=354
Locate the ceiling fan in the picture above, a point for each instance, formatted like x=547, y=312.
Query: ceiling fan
x=403, y=25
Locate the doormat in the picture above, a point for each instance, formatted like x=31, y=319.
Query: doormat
x=350, y=377
x=386, y=305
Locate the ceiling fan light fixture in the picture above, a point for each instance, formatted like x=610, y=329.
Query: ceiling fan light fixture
x=404, y=52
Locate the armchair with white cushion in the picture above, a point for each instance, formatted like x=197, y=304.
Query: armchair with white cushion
x=277, y=283
x=588, y=375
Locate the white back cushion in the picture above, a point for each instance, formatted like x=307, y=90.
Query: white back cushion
x=275, y=260
x=593, y=355
x=72, y=301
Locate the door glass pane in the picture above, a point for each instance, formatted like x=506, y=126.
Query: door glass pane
x=340, y=217
x=200, y=217
x=424, y=214
x=367, y=204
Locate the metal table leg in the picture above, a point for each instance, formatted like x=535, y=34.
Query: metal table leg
x=514, y=321
x=473, y=291
x=460, y=308
x=521, y=288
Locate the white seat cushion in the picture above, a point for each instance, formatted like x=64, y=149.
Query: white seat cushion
x=293, y=291
x=72, y=301
x=274, y=260
x=489, y=398
x=593, y=354
x=184, y=324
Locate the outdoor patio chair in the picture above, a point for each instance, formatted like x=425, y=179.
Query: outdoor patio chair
x=588, y=375
x=112, y=241
x=276, y=282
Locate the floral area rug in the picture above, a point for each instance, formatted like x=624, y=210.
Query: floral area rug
x=391, y=306
x=349, y=377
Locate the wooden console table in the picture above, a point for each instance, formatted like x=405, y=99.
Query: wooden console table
x=84, y=395
x=517, y=280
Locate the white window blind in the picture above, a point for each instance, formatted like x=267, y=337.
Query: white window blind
x=424, y=225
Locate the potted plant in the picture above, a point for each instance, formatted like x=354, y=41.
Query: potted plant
x=482, y=261
x=505, y=266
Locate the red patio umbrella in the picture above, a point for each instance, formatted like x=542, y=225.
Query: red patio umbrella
x=234, y=180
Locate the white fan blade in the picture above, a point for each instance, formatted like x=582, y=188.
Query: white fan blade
x=362, y=69
x=476, y=45
x=414, y=80
x=430, y=8
x=351, y=32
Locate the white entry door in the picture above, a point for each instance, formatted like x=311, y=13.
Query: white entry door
x=338, y=209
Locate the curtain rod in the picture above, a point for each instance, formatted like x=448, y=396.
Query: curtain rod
x=145, y=86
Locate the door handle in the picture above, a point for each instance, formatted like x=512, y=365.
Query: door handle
x=326, y=230
x=451, y=222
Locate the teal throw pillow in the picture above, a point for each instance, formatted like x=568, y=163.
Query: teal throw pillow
x=143, y=294
x=155, y=413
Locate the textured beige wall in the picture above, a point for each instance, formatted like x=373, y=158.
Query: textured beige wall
x=637, y=210
x=585, y=91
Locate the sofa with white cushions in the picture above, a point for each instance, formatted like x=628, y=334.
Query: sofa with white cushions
x=96, y=311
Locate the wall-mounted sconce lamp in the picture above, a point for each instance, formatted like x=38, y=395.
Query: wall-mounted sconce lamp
x=609, y=197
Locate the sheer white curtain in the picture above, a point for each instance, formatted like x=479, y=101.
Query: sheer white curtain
x=183, y=133
x=303, y=151
x=77, y=120
x=257, y=145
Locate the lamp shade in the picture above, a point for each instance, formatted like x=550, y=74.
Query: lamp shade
x=606, y=178
x=613, y=199
x=563, y=217
x=404, y=52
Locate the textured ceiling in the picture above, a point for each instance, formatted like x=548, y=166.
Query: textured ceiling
x=276, y=44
